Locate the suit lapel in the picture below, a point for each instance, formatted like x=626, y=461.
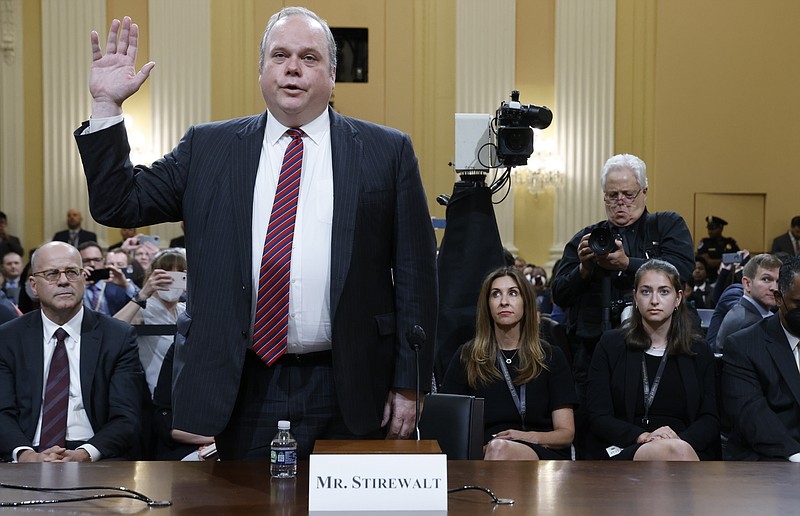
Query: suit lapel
x=33, y=351
x=778, y=348
x=750, y=307
x=346, y=152
x=633, y=380
x=244, y=157
x=91, y=338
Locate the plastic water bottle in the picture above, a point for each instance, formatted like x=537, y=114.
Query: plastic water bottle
x=283, y=453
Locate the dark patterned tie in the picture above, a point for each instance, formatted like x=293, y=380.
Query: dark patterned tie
x=270, y=330
x=56, y=397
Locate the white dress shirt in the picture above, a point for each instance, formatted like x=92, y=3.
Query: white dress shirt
x=309, y=293
x=78, y=426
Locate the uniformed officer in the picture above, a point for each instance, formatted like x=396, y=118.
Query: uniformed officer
x=715, y=245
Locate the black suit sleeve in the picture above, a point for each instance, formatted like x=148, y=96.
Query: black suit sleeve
x=703, y=431
x=11, y=434
x=125, y=394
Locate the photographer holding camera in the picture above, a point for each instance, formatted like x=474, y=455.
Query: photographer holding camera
x=595, y=277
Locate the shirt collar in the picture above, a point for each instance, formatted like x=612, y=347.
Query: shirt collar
x=761, y=309
x=791, y=338
x=72, y=327
x=315, y=129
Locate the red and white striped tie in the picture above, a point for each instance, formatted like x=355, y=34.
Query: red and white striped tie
x=270, y=330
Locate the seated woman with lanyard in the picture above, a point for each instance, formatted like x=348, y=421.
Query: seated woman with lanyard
x=651, y=390
x=526, y=383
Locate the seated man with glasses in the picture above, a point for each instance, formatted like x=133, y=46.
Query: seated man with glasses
x=638, y=236
x=107, y=296
x=71, y=384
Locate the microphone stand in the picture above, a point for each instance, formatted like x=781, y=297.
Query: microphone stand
x=416, y=337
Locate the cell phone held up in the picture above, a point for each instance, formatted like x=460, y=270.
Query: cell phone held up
x=99, y=274
x=731, y=258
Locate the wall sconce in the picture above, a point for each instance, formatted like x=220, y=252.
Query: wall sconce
x=545, y=168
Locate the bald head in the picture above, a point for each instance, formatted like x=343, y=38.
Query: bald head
x=48, y=249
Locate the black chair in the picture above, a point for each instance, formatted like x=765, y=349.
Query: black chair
x=556, y=335
x=456, y=421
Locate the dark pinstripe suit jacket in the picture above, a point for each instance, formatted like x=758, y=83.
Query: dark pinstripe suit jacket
x=112, y=381
x=761, y=393
x=383, y=271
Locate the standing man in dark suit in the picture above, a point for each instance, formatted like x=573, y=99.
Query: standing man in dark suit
x=761, y=380
x=760, y=280
x=788, y=242
x=104, y=383
x=333, y=356
x=75, y=235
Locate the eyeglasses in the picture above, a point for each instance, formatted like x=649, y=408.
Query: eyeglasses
x=626, y=198
x=53, y=275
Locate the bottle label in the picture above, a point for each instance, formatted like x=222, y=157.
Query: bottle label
x=283, y=457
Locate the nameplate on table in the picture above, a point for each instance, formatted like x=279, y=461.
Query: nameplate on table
x=377, y=482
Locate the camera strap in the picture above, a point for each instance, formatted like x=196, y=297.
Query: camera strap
x=519, y=399
x=651, y=246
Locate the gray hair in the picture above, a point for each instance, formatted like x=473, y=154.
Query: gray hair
x=625, y=162
x=287, y=12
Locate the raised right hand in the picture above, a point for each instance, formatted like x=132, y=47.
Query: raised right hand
x=113, y=77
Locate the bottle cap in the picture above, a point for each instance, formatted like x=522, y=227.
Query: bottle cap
x=284, y=425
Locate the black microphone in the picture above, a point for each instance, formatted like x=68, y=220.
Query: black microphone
x=416, y=338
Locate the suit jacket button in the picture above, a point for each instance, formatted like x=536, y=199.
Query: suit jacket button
x=244, y=334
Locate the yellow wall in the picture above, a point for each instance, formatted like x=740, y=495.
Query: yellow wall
x=34, y=135
x=535, y=72
x=720, y=107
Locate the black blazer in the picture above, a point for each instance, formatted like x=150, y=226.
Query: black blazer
x=615, y=379
x=383, y=269
x=784, y=244
x=761, y=393
x=83, y=236
x=112, y=382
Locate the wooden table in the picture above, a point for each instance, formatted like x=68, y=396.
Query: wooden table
x=547, y=487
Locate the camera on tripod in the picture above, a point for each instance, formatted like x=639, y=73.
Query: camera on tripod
x=515, y=123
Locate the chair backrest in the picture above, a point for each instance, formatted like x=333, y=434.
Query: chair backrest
x=456, y=421
x=556, y=335
x=705, y=316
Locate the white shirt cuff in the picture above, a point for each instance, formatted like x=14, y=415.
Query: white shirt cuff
x=93, y=452
x=98, y=124
x=18, y=450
